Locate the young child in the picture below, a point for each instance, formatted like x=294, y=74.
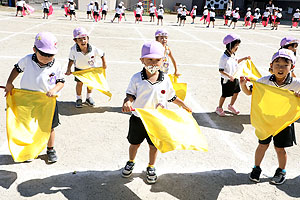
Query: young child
x=194, y=13
x=84, y=56
x=96, y=11
x=281, y=65
x=296, y=17
x=46, y=5
x=118, y=13
x=227, y=67
x=277, y=20
x=248, y=17
x=123, y=10
x=20, y=4
x=183, y=16
x=41, y=73
x=138, y=12
x=205, y=13
x=104, y=10
x=150, y=82
x=290, y=43
x=212, y=17
x=266, y=15
x=256, y=16
x=179, y=11
x=152, y=12
x=161, y=36
x=227, y=16
x=89, y=9
x=160, y=14
x=235, y=17
x=72, y=10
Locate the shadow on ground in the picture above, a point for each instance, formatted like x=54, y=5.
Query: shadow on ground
x=7, y=178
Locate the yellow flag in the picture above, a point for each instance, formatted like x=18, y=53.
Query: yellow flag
x=29, y=118
x=94, y=78
x=172, y=129
x=272, y=109
x=247, y=69
x=180, y=88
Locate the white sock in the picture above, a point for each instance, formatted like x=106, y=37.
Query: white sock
x=79, y=96
x=88, y=95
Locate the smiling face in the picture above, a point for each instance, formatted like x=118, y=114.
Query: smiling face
x=82, y=42
x=293, y=47
x=281, y=67
x=152, y=65
x=162, y=39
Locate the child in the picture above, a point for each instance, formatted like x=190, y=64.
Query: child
x=235, y=17
x=161, y=36
x=96, y=10
x=205, y=13
x=248, y=17
x=83, y=55
x=41, y=73
x=296, y=17
x=227, y=67
x=89, y=10
x=281, y=66
x=179, y=11
x=255, y=18
x=72, y=10
x=266, y=15
x=277, y=20
x=104, y=10
x=290, y=43
x=152, y=12
x=118, y=13
x=123, y=10
x=160, y=14
x=183, y=15
x=150, y=82
x=20, y=4
x=194, y=13
x=46, y=5
x=212, y=17
x=138, y=12
x=227, y=16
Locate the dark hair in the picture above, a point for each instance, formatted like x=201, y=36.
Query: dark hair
x=42, y=53
x=289, y=45
x=97, y=5
x=285, y=60
x=71, y=3
x=230, y=45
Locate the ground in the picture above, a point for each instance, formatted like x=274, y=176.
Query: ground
x=91, y=142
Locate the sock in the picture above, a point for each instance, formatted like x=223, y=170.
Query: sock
x=152, y=166
x=79, y=96
x=50, y=148
x=131, y=161
x=284, y=171
x=88, y=95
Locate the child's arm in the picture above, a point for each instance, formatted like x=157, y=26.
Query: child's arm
x=9, y=84
x=243, y=81
x=71, y=62
x=127, y=104
x=103, y=62
x=174, y=63
x=56, y=89
x=245, y=58
x=180, y=103
x=231, y=78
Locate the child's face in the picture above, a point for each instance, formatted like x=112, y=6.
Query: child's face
x=163, y=40
x=235, y=48
x=152, y=65
x=82, y=42
x=43, y=60
x=280, y=68
x=293, y=47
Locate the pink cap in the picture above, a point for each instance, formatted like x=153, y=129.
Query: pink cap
x=153, y=50
x=230, y=38
x=46, y=42
x=288, y=40
x=161, y=32
x=80, y=32
x=285, y=53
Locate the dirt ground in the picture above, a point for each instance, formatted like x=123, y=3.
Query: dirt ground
x=92, y=141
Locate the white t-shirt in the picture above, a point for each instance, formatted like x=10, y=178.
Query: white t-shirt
x=266, y=14
x=228, y=13
x=46, y=5
x=179, y=10
x=228, y=64
x=296, y=15
x=85, y=61
x=38, y=78
x=138, y=10
x=123, y=9
x=104, y=7
x=147, y=94
x=205, y=12
x=194, y=12
x=235, y=15
x=183, y=13
x=72, y=7
x=289, y=84
x=279, y=15
x=89, y=7
x=212, y=14
x=20, y=3
x=256, y=16
x=119, y=11
x=95, y=9
x=152, y=9
x=248, y=14
x=160, y=12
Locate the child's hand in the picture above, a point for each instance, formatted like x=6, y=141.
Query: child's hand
x=176, y=74
x=8, y=89
x=127, y=106
x=104, y=66
x=231, y=78
x=243, y=80
x=248, y=57
x=297, y=93
x=51, y=93
x=159, y=105
x=187, y=108
x=68, y=72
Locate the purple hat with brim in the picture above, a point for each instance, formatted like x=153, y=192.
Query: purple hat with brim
x=161, y=32
x=80, y=32
x=230, y=38
x=288, y=40
x=284, y=53
x=153, y=50
x=46, y=42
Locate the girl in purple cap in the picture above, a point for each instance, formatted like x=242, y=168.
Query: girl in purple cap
x=290, y=43
x=227, y=67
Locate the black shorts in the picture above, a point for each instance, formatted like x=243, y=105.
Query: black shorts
x=212, y=19
x=254, y=20
x=160, y=17
x=227, y=17
x=151, y=14
x=137, y=15
x=72, y=12
x=46, y=10
x=76, y=69
x=277, y=20
x=19, y=8
x=55, y=121
x=178, y=15
x=104, y=12
x=123, y=14
x=95, y=14
x=183, y=17
x=88, y=12
x=137, y=132
x=234, y=19
x=295, y=19
x=25, y=8
x=205, y=16
x=229, y=88
x=194, y=16
x=285, y=138
x=248, y=19
x=117, y=15
x=264, y=19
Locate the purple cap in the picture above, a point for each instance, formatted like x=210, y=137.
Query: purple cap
x=161, y=32
x=285, y=53
x=230, y=38
x=153, y=50
x=46, y=42
x=288, y=40
x=80, y=32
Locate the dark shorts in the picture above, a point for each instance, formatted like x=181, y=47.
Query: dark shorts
x=117, y=15
x=160, y=17
x=19, y=8
x=95, y=14
x=277, y=20
x=72, y=12
x=194, y=16
x=76, y=69
x=104, y=12
x=137, y=15
x=227, y=17
x=137, y=132
x=229, y=88
x=123, y=14
x=151, y=14
x=88, y=12
x=212, y=19
x=234, y=19
x=248, y=19
x=178, y=15
x=285, y=138
x=205, y=16
x=55, y=121
x=295, y=19
x=264, y=19
x=183, y=17
x=254, y=20
x=25, y=8
x=46, y=10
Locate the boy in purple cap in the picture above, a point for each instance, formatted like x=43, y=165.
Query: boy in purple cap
x=147, y=89
x=290, y=43
x=84, y=56
x=41, y=73
x=281, y=65
x=227, y=67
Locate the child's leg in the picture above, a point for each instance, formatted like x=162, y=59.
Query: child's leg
x=221, y=101
x=260, y=153
x=233, y=98
x=152, y=154
x=79, y=88
x=282, y=157
x=133, y=151
x=51, y=139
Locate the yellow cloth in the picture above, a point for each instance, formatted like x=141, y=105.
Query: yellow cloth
x=94, y=78
x=172, y=129
x=247, y=69
x=180, y=88
x=29, y=118
x=272, y=109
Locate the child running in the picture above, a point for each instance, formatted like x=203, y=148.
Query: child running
x=41, y=72
x=281, y=66
x=235, y=17
x=248, y=17
x=212, y=17
x=179, y=11
x=160, y=14
x=89, y=9
x=96, y=11
x=147, y=89
x=72, y=10
x=290, y=43
x=227, y=67
x=266, y=15
x=227, y=16
x=205, y=13
x=104, y=10
x=152, y=11
x=123, y=10
x=194, y=13
x=84, y=56
x=256, y=16
x=183, y=16
x=278, y=18
x=296, y=17
x=138, y=12
x=46, y=5
x=20, y=4
x=118, y=13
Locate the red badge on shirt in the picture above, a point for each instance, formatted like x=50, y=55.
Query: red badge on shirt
x=163, y=91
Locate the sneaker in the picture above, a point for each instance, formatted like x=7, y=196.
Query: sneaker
x=220, y=112
x=254, y=175
x=52, y=157
x=78, y=103
x=90, y=102
x=279, y=177
x=151, y=175
x=127, y=171
x=233, y=110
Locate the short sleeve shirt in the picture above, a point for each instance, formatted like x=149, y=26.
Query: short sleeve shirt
x=179, y=10
x=212, y=14
x=160, y=12
x=296, y=15
x=290, y=83
x=235, y=15
x=147, y=94
x=85, y=61
x=138, y=11
x=205, y=12
x=228, y=64
x=152, y=9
